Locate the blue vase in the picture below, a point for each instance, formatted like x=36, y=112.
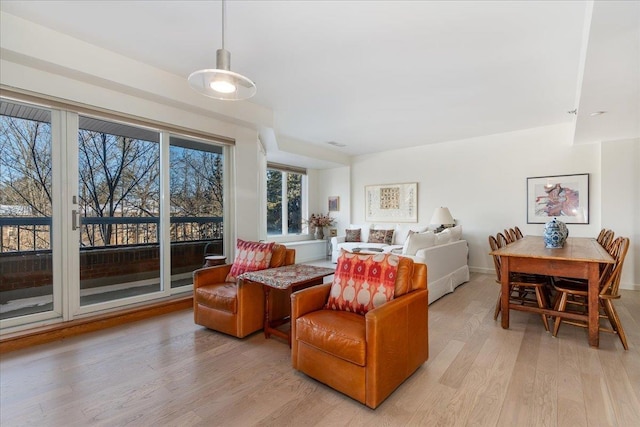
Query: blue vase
x=555, y=234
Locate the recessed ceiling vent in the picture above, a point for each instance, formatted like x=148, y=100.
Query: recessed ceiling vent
x=336, y=144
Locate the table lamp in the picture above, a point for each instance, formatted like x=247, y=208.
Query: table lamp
x=442, y=218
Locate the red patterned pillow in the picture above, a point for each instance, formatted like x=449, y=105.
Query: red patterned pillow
x=250, y=256
x=363, y=282
x=381, y=236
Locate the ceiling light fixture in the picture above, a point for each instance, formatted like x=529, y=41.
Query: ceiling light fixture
x=597, y=113
x=221, y=82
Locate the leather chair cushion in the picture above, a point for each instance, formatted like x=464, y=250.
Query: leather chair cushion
x=338, y=333
x=222, y=296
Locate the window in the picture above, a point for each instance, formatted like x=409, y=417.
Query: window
x=286, y=199
x=26, y=206
x=119, y=204
x=196, y=187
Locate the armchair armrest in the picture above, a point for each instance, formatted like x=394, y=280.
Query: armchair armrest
x=401, y=325
x=209, y=275
x=303, y=302
x=308, y=300
x=337, y=239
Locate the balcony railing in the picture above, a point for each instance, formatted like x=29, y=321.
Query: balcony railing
x=33, y=234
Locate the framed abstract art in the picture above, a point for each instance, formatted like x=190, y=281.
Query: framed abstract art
x=565, y=197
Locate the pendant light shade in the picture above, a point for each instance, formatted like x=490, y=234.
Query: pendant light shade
x=221, y=82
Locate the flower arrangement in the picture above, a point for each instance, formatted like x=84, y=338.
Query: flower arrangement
x=320, y=220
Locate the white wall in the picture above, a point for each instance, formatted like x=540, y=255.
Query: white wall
x=483, y=182
x=335, y=182
x=621, y=196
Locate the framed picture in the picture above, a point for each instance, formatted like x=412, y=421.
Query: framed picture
x=334, y=203
x=391, y=203
x=565, y=197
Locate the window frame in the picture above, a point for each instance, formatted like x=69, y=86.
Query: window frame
x=284, y=235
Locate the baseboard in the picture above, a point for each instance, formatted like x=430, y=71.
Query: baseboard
x=630, y=287
x=483, y=270
x=45, y=334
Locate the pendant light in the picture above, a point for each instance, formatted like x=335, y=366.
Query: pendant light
x=221, y=82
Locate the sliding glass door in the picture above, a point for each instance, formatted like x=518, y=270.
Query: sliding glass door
x=83, y=225
x=27, y=213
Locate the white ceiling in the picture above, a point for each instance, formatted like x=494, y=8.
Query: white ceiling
x=377, y=75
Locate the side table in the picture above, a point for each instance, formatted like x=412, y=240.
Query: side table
x=213, y=260
x=289, y=278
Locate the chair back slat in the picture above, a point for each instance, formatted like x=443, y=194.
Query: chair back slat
x=519, y=234
x=502, y=240
x=510, y=235
x=607, y=239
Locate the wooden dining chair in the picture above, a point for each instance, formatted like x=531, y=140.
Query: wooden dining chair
x=607, y=239
x=502, y=240
x=518, y=233
x=601, y=235
x=510, y=234
x=523, y=289
x=574, y=294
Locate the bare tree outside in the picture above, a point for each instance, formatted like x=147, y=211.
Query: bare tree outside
x=25, y=165
x=25, y=180
x=119, y=177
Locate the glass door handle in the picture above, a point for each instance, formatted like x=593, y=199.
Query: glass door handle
x=75, y=220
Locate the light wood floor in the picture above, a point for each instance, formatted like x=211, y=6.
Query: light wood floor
x=168, y=371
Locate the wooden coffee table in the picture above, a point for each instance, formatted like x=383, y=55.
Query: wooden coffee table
x=289, y=278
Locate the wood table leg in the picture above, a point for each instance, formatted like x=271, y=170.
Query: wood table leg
x=267, y=311
x=504, y=296
x=594, y=320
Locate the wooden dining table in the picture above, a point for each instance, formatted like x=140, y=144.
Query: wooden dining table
x=580, y=258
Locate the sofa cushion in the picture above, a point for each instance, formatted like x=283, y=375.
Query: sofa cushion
x=403, y=230
x=381, y=236
x=417, y=241
x=456, y=232
x=364, y=230
x=352, y=235
x=443, y=237
x=341, y=334
x=447, y=235
x=363, y=282
x=250, y=256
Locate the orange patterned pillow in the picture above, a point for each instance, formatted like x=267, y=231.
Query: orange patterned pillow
x=250, y=256
x=363, y=282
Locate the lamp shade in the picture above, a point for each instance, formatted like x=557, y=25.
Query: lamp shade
x=442, y=216
x=221, y=82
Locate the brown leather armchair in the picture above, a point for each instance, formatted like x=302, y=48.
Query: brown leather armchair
x=365, y=357
x=236, y=308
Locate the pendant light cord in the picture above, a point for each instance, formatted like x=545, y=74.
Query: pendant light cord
x=224, y=7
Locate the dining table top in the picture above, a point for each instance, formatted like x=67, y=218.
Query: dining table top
x=585, y=249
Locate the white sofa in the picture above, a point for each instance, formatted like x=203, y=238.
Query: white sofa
x=446, y=253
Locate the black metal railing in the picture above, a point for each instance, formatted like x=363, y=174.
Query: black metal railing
x=33, y=234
